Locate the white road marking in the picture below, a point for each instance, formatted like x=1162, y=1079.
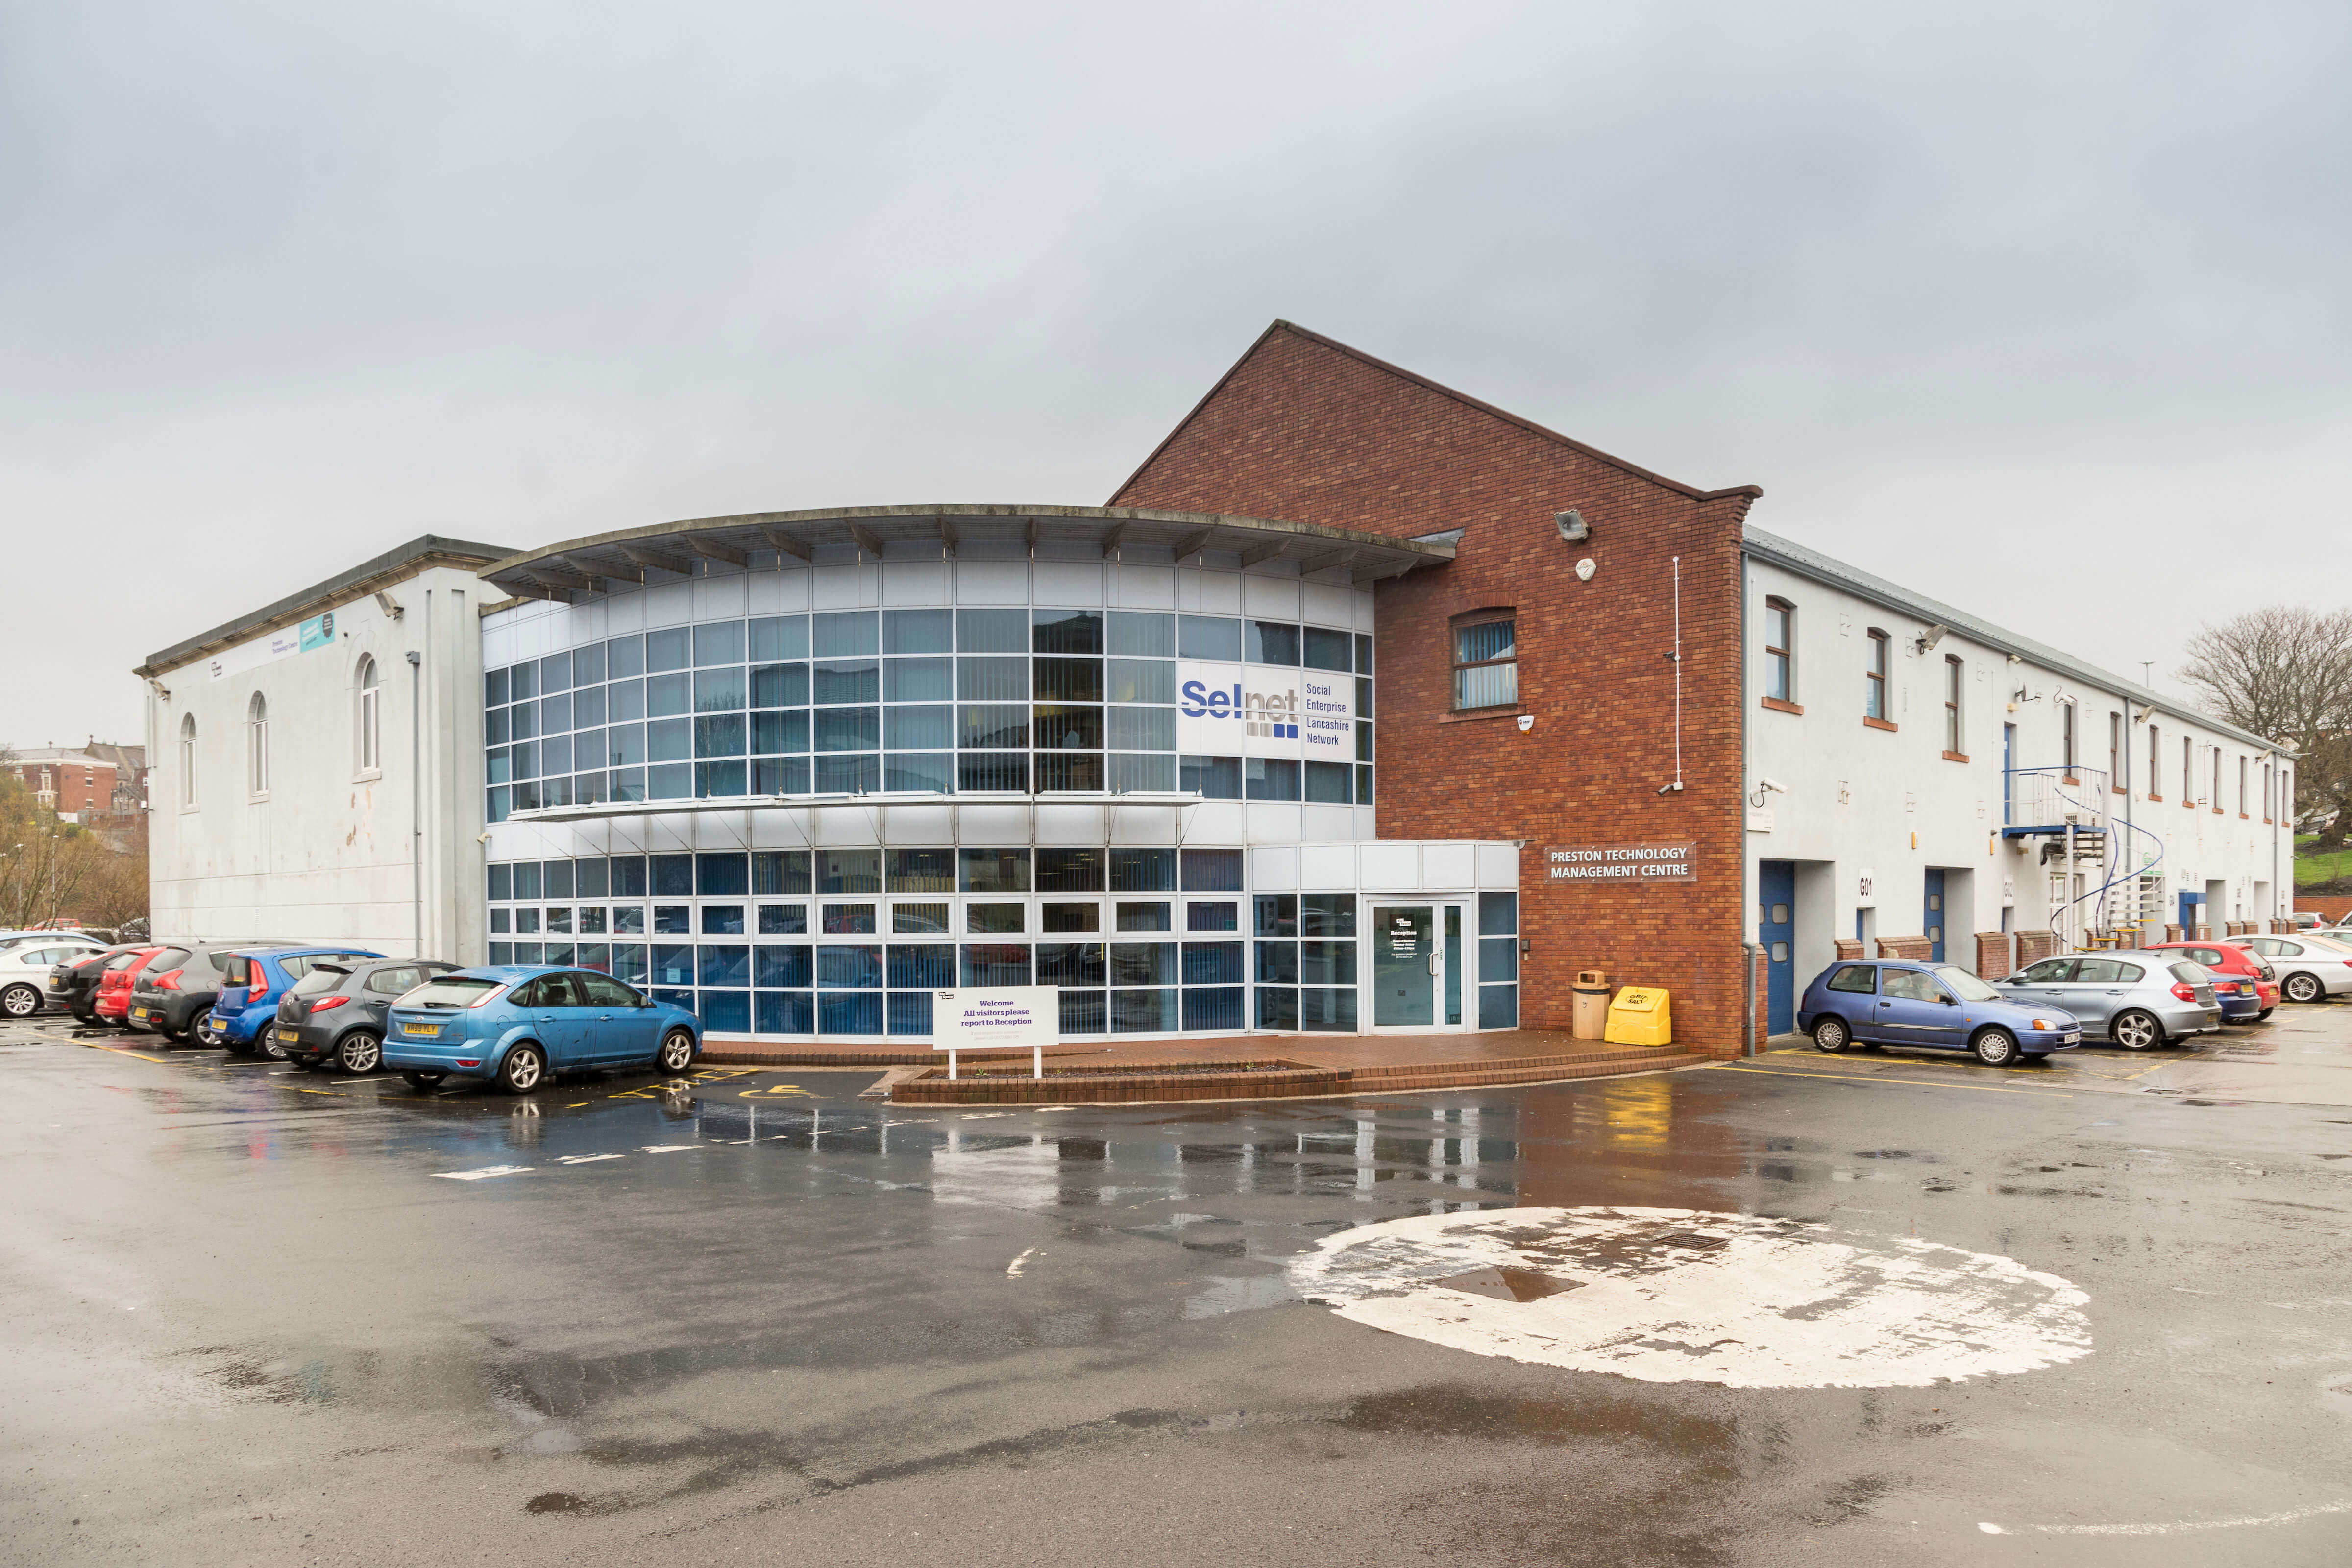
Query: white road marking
x=669, y=1148
x=2181, y=1526
x=585, y=1159
x=484, y=1173
x=1013, y=1269
x=1682, y=1295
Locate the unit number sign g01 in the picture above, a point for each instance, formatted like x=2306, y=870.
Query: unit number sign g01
x=1639, y=865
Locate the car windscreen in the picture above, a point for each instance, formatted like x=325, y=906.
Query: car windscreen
x=448, y=991
x=168, y=960
x=320, y=980
x=1966, y=986
x=2194, y=973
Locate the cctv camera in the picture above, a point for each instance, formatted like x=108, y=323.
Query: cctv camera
x=1774, y=785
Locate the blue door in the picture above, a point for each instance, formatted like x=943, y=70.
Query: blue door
x=1776, y=933
x=2189, y=909
x=1932, y=919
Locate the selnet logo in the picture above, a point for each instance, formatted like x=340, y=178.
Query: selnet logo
x=1265, y=715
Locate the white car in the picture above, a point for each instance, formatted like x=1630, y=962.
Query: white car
x=2311, y=967
x=25, y=961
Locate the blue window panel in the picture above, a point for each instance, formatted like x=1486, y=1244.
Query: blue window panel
x=847, y=632
x=845, y=680
x=850, y=966
x=1327, y=1011
x=496, y=807
x=984, y=631
x=1218, y=1009
x=1143, y=1012
x=1498, y=958
x=629, y=962
x=671, y=781
x=527, y=953
x=728, y=965
x=673, y=875
x=673, y=920
x=785, y=1011
x=918, y=679
x=719, y=642
x=785, y=920
x=673, y=964
x=918, y=631
x=728, y=1011
x=720, y=737
x=910, y=1012
x=560, y=954
x=786, y=730
x=1213, y=963
x=669, y=696
x=627, y=784
x=1278, y=1008
x=996, y=964
x=780, y=685
x=848, y=729
x=919, y=771
x=502, y=952
x=717, y=779
x=1277, y=963
x=783, y=968
x=1213, y=870
x=722, y=874
x=667, y=649
x=1070, y=964
x=780, y=637
x=1498, y=1006
x=924, y=966
x=780, y=776
x=1085, y=1013
x=676, y=999
x=1499, y=914
x=849, y=1012
x=848, y=774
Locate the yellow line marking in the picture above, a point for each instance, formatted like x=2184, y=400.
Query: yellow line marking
x=325, y=1092
x=576, y=1104
x=1913, y=1082
x=117, y=1050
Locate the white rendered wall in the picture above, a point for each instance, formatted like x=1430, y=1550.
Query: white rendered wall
x=1862, y=800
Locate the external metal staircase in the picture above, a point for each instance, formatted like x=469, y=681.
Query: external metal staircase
x=2104, y=885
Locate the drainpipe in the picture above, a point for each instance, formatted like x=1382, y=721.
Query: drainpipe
x=1748, y=1044
x=416, y=802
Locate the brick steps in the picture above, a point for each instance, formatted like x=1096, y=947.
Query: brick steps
x=1472, y=1076
x=1162, y=1082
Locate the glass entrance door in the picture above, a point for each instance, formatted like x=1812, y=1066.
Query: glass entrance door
x=1418, y=966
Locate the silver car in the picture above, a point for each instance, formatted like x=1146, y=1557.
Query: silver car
x=2311, y=966
x=2135, y=998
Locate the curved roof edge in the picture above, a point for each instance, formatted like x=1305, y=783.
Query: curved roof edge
x=584, y=566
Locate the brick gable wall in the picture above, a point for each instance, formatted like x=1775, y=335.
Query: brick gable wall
x=1306, y=431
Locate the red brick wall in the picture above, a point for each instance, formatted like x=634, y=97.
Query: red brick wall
x=1847, y=948
x=1305, y=430
x=1992, y=953
x=2331, y=909
x=78, y=788
x=2034, y=946
x=1911, y=949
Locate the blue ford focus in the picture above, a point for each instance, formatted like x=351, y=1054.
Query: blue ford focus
x=1940, y=1007
x=519, y=1025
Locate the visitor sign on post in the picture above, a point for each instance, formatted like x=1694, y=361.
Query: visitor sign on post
x=996, y=1017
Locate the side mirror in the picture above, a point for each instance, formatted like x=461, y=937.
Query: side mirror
x=1950, y=1000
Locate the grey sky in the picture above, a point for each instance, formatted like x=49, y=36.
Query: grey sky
x=2042, y=315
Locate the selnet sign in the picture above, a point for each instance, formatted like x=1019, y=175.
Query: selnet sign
x=1251, y=711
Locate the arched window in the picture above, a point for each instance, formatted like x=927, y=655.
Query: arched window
x=187, y=759
x=257, y=745
x=370, y=709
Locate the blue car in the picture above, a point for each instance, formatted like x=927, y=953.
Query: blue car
x=519, y=1024
x=251, y=986
x=1938, y=1006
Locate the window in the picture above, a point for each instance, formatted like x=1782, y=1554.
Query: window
x=1856, y=977
x=2267, y=813
x=2066, y=736
x=2214, y=799
x=187, y=761
x=1485, y=661
x=2187, y=770
x=2115, y=750
x=1955, y=677
x=1874, y=700
x=1780, y=638
x=257, y=745
x=371, y=750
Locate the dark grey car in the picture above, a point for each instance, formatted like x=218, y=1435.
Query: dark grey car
x=335, y=1016
x=2136, y=998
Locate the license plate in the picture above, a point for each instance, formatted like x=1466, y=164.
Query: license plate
x=141, y=1013
x=287, y=1036
x=2073, y=1038
x=426, y=1029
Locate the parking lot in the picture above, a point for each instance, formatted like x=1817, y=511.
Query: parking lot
x=261, y=1314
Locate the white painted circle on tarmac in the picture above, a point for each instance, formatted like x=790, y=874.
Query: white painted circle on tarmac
x=1688, y=1295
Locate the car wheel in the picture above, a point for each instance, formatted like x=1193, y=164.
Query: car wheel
x=523, y=1068
x=1831, y=1035
x=360, y=1051
x=2301, y=987
x=265, y=1044
x=676, y=1051
x=422, y=1080
x=2264, y=1016
x=2137, y=1031
x=1995, y=1047
x=19, y=1002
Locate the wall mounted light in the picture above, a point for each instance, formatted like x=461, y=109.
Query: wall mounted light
x=1526, y=723
x=1572, y=526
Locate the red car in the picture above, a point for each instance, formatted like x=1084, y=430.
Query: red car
x=2243, y=981
x=113, y=998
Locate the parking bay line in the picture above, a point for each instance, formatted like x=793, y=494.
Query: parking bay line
x=1912, y=1082
x=486, y=1172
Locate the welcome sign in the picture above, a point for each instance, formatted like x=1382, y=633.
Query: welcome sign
x=1252, y=711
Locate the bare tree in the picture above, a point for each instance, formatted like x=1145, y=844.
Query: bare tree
x=45, y=862
x=2285, y=672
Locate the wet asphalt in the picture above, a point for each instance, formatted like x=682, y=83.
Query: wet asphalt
x=254, y=1315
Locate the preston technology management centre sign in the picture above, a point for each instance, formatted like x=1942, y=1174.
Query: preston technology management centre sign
x=1642, y=864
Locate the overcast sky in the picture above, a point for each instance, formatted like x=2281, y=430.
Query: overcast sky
x=2037, y=308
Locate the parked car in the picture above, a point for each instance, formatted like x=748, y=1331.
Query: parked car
x=250, y=987
x=11, y=940
x=179, y=985
x=519, y=1024
x=1940, y=1006
x=335, y=1014
x=2243, y=981
x=72, y=983
x=2310, y=966
x=112, y=999
x=26, y=966
x=2308, y=919
x=2135, y=998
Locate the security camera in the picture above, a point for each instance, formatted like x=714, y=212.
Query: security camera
x=1931, y=636
x=1773, y=786
x=1674, y=788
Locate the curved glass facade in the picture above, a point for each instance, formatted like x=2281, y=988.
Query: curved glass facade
x=885, y=749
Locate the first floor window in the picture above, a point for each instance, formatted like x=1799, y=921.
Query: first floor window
x=1955, y=677
x=1485, y=661
x=371, y=746
x=1874, y=700
x=1780, y=638
x=257, y=745
x=187, y=759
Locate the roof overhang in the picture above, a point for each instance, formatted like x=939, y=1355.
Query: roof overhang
x=583, y=568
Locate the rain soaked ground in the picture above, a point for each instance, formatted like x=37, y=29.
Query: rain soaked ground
x=1886, y=1310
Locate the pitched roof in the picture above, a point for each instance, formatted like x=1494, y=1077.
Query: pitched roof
x=1295, y=329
